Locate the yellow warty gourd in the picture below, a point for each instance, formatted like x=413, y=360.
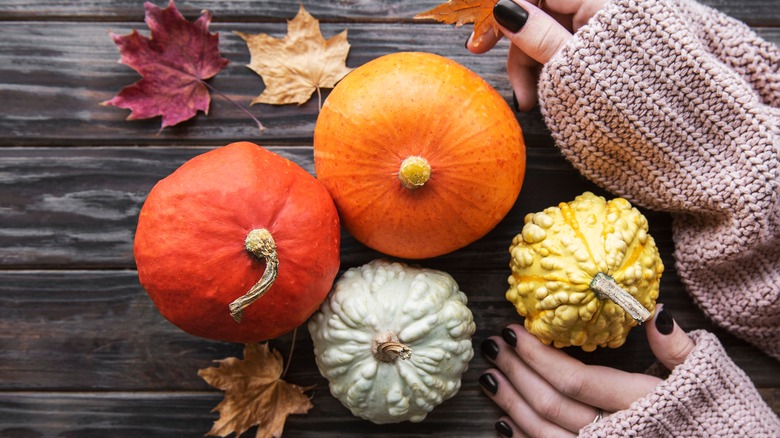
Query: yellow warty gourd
x=585, y=272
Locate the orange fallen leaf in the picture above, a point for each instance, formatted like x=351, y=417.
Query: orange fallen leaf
x=460, y=12
x=254, y=393
x=299, y=64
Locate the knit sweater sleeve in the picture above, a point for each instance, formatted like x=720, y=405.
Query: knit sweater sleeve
x=673, y=105
x=707, y=396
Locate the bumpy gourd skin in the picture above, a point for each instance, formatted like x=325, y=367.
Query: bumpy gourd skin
x=427, y=312
x=555, y=258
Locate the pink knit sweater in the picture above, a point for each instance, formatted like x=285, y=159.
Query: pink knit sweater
x=676, y=107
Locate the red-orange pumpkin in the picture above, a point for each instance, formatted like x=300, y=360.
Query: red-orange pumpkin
x=420, y=154
x=193, y=252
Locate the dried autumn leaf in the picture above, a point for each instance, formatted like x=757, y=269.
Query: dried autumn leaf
x=174, y=62
x=254, y=393
x=460, y=12
x=299, y=64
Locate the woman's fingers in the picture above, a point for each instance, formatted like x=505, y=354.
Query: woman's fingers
x=607, y=388
x=507, y=428
x=523, y=73
x=545, y=400
x=670, y=344
x=504, y=394
x=530, y=29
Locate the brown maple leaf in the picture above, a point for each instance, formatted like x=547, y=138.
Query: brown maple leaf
x=299, y=64
x=460, y=12
x=254, y=393
x=174, y=62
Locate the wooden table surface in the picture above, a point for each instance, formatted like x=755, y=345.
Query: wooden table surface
x=83, y=351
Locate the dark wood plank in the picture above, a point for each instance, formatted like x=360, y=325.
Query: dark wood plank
x=120, y=415
x=77, y=207
x=54, y=75
x=71, y=330
x=754, y=12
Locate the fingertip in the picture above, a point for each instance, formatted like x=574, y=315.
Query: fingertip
x=669, y=343
x=490, y=349
x=478, y=44
x=529, y=28
x=507, y=428
x=524, y=102
x=488, y=381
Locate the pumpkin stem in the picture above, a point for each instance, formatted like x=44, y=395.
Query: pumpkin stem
x=415, y=171
x=260, y=243
x=605, y=287
x=388, y=348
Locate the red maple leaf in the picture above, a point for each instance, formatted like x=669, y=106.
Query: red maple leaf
x=175, y=61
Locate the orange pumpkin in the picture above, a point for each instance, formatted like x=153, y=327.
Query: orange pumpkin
x=234, y=220
x=420, y=154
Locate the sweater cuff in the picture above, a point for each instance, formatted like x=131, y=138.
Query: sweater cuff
x=707, y=395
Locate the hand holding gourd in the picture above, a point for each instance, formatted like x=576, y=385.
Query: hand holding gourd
x=545, y=392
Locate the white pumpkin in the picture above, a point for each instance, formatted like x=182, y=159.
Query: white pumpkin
x=393, y=340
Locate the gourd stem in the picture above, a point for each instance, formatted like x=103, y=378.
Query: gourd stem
x=388, y=348
x=394, y=350
x=605, y=287
x=414, y=172
x=261, y=244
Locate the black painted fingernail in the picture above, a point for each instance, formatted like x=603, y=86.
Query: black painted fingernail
x=489, y=348
x=664, y=322
x=509, y=336
x=515, y=103
x=510, y=15
x=489, y=383
x=503, y=428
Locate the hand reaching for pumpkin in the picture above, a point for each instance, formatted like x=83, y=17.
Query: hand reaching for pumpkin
x=536, y=35
x=545, y=392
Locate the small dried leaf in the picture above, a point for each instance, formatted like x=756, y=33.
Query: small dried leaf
x=174, y=62
x=254, y=393
x=460, y=12
x=299, y=64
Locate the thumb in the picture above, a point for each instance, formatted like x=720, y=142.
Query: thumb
x=670, y=344
x=530, y=29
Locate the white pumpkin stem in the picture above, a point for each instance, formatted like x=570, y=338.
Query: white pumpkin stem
x=605, y=287
x=388, y=348
x=415, y=171
x=260, y=244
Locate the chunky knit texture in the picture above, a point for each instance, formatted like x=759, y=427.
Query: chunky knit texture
x=674, y=106
x=707, y=396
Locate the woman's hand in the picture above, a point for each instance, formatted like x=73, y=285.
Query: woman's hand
x=545, y=392
x=536, y=35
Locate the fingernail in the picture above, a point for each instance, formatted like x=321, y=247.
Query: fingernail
x=489, y=348
x=515, y=103
x=509, y=336
x=664, y=322
x=503, y=428
x=467, y=42
x=510, y=15
x=489, y=383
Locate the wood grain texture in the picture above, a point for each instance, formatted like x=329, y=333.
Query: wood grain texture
x=83, y=350
x=57, y=325
x=54, y=76
x=753, y=12
x=77, y=207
